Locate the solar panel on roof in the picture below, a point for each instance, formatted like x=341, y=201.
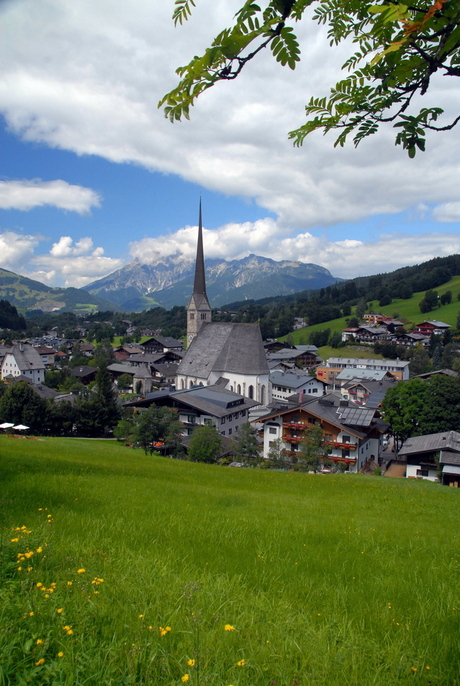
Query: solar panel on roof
x=357, y=416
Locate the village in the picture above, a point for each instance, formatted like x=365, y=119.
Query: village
x=228, y=378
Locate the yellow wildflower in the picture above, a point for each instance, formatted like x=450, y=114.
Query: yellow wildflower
x=241, y=663
x=229, y=627
x=19, y=569
x=39, y=642
x=69, y=583
x=39, y=550
x=185, y=678
x=14, y=540
x=70, y=632
x=81, y=571
x=66, y=627
x=60, y=610
x=414, y=669
x=60, y=654
x=31, y=614
x=141, y=616
x=191, y=663
x=39, y=662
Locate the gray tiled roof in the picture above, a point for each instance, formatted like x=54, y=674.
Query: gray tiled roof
x=325, y=408
x=445, y=440
x=227, y=348
x=26, y=357
x=289, y=380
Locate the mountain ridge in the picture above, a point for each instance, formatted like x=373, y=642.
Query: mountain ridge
x=169, y=281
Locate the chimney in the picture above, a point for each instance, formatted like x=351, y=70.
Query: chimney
x=300, y=397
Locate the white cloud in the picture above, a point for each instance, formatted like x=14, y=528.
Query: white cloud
x=25, y=195
x=65, y=247
x=448, y=212
x=16, y=249
x=345, y=258
x=86, y=77
x=67, y=263
x=88, y=80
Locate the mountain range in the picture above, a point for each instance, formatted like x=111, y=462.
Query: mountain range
x=136, y=287
x=169, y=281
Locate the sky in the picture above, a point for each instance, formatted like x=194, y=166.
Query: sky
x=92, y=175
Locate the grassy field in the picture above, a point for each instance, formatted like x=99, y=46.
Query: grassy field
x=407, y=310
x=118, y=568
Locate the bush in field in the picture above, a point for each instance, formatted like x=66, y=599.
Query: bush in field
x=205, y=444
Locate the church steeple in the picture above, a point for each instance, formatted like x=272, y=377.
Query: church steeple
x=199, y=286
x=199, y=309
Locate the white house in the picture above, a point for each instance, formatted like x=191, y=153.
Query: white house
x=23, y=360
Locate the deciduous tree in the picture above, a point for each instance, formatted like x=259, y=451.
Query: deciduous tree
x=398, y=46
x=205, y=444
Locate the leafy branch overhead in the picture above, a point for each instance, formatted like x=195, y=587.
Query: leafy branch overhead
x=399, y=47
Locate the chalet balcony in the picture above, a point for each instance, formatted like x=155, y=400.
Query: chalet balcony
x=296, y=425
x=292, y=439
x=342, y=446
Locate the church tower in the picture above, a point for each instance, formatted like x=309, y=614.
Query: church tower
x=198, y=309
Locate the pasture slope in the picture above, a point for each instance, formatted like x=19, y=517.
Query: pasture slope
x=407, y=310
x=121, y=568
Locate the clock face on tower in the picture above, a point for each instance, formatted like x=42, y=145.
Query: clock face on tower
x=190, y=338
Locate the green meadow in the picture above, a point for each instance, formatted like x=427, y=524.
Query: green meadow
x=121, y=568
x=407, y=310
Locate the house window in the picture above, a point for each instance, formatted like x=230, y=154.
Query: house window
x=203, y=315
x=222, y=420
x=230, y=432
x=272, y=430
x=422, y=472
x=345, y=439
x=192, y=315
x=243, y=413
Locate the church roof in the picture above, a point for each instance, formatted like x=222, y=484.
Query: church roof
x=227, y=348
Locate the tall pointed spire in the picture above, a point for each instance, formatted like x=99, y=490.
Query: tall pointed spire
x=199, y=309
x=199, y=286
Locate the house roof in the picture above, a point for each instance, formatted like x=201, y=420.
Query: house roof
x=435, y=323
x=352, y=419
x=26, y=357
x=445, y=440
x=290, y=380
x=443, y=372
x=83, y=371
x=165, y=341
x=289, y=354
x=213, y=400
x=223, y=347
x=362, y=375
x=349, y=362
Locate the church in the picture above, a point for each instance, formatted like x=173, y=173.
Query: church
x=230, y=355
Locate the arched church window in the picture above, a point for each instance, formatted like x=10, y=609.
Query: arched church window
x=251, y=392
